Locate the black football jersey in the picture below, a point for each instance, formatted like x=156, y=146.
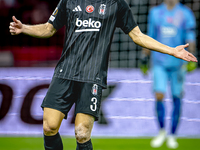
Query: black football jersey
x=90, y=25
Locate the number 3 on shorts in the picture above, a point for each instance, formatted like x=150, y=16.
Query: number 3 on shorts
x=94, y=106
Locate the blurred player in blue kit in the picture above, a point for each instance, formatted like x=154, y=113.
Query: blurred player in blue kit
x=172, y=24
x=81, y=72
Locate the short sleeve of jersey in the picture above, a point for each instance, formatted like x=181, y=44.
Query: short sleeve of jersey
x=57, y=19
x=125, y=18
x=190, y=25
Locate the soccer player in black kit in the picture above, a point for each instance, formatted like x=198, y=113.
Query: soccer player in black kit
x=81, y=72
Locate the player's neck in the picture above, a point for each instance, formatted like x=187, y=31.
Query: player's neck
x=170, y=5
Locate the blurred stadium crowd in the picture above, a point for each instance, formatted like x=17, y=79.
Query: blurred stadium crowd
x=25, y=51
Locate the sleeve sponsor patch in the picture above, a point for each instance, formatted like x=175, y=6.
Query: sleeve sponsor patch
x=52, y=18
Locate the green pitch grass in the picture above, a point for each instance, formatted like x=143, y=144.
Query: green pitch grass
x=33, y=143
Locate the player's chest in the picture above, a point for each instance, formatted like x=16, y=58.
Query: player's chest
x=98, y=9
x=172, y=19
x=170, y=24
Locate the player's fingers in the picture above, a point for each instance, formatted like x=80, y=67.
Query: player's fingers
x=189, y=57
x=186, y=45
x=186, y=58
x=12, y=24
x=192, y=57
x=12, y=32
x=11, y=27
x=15, y=19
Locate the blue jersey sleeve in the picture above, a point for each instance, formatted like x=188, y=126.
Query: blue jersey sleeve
x=151, y=24
x=190, y=25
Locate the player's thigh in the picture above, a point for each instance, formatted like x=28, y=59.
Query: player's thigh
x=160, y=79
x=60, y=95
x=177, y=82
x=52, y=119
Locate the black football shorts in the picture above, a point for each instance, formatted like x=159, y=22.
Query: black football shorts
x=63, y=93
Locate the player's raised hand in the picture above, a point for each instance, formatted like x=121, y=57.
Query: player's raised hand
x=16, y=26
x=181, y=53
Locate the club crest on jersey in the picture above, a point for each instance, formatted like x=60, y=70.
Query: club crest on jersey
x=89, y=9
x=94, y=89
x=102, y=9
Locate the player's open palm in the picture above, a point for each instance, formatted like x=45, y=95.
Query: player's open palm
x=181, y=53
x=15, y=26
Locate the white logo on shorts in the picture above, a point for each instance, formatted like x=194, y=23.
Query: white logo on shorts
x=94, y=89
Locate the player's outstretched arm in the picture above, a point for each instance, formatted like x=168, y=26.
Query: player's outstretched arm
x=45, y=30
x=147, y=42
